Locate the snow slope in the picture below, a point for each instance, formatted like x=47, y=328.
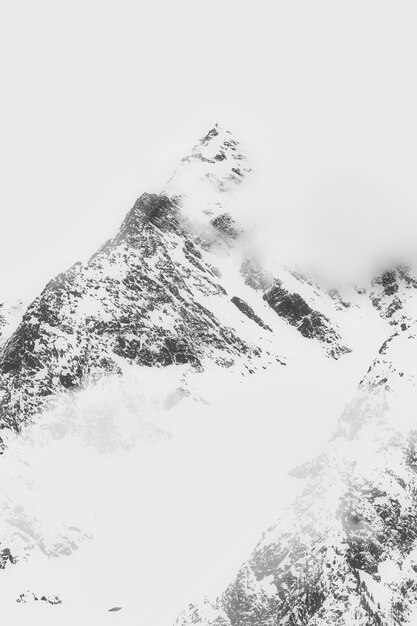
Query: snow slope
x=344, y=552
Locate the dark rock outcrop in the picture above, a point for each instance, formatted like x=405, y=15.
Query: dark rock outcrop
x=310, y=323
x=249, y=312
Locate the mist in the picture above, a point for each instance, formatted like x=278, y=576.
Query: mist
x=146, y=486
x=100, y=103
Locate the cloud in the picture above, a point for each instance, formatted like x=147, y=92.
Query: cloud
x=319, y=93
x=340, y=226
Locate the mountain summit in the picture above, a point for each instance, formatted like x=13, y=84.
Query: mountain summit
x=217, y=159
x=207, y=177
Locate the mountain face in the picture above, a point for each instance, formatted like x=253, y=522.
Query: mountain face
x=144, y=298
x=345, y=552
x=176, y=286
x=310, y=323
x=168, y=289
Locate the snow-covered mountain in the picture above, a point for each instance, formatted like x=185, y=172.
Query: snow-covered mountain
x=181, y=294
x=344, y=553
x=170, y=287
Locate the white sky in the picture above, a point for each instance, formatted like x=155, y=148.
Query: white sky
x=100, y=99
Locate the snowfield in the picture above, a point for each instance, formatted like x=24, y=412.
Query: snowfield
x=148, y=490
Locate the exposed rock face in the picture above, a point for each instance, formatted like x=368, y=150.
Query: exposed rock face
x=217, y=161
x=6, y=557
x=249, y=312
x=321, y=564
x=310, y=323
x=392, y=293
x=226, y=225
x=140, y=299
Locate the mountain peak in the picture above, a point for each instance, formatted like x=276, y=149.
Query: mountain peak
x=217, y=146
x=216, y=131
x=210, y=173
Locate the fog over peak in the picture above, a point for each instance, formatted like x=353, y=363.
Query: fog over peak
x=322, y=99
x=341, y=227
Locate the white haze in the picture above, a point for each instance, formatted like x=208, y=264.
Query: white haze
x=100, y=100
x=163, y=493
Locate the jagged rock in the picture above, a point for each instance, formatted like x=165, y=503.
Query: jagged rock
x=249, y=312
x=310, y=323
x=391, y=291
x=139, y=299
x=29, y=596
x=226, y=225
x=6, y=557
